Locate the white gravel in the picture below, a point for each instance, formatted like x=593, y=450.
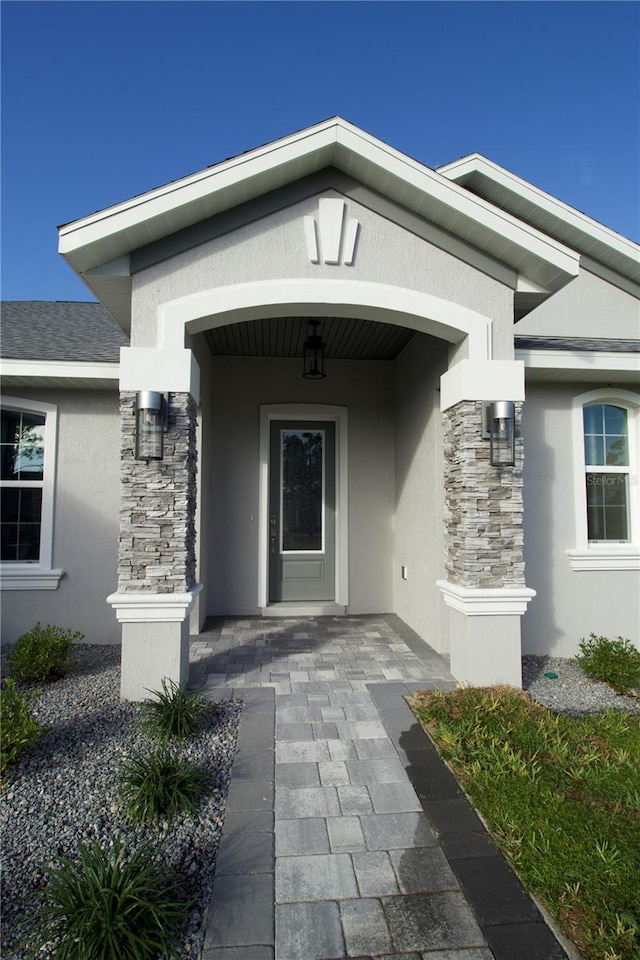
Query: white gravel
x=571, y=692
x=63, y=791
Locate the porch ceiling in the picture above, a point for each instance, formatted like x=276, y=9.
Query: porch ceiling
x=345, y=339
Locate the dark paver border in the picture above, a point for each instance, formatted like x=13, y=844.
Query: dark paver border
x=240, y=921
x=506, y=913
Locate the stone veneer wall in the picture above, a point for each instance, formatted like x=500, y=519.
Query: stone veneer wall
x=483, y=504
x=158, y=504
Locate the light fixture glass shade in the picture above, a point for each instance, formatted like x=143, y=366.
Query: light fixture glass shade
x=313, y=354
x=503, y=433
x=149, y=425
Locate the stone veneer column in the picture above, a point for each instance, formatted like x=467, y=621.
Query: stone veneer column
x=485, y=586
x=483, y=504
x=157, y=566
x=158, y=504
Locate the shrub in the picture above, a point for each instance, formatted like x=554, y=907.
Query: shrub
x=42, y=654
x=109, y=905
x=18, y=729
x=158, y=785
x=175, y=711
x=617, y=662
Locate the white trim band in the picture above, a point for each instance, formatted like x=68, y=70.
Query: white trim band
x=153, y=607
x=29, y=577
x=610, y=557
x=486, y=601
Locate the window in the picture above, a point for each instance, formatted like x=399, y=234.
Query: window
x=27, y=467
x=606, y=426
x=606, y=453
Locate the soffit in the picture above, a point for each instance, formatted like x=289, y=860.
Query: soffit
x=108, y=235
x=351, y=339
x=508, y=192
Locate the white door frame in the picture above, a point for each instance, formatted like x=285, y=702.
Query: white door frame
x=305, y=411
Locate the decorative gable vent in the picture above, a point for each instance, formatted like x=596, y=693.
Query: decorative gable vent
x=329, y=236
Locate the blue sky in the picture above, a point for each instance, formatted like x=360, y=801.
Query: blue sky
x=104, y=100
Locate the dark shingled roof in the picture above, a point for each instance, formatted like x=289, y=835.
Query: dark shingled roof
x=59, y=330
x=577, y=343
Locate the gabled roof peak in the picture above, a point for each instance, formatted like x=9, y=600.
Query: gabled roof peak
x=99, y=244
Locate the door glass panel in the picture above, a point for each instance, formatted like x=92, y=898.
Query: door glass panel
x=302, y=497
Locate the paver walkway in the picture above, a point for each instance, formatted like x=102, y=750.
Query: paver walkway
x=345, y=835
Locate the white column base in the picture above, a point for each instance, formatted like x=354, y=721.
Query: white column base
x=484, y=633
x=155, y=639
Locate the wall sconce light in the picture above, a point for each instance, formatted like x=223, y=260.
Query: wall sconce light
x=502, y=433
x=313, y=354
x=152, y=417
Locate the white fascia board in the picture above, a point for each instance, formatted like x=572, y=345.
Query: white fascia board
x=588, y=361
x=457, y=198
x=165, y=199
x=476, y=163
x=264, y=160
x=73, y=369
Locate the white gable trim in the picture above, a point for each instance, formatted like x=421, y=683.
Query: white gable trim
x=587, y=232
x=112, y=233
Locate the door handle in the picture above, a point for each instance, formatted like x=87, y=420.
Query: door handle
x=273, y=540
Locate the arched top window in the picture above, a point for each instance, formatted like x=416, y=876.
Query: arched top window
x=606, y=442
x=606, y=454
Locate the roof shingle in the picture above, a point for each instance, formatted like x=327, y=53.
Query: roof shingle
x=59, y=330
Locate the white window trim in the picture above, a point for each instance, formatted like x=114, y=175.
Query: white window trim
x=603, y=555
x=41, y=575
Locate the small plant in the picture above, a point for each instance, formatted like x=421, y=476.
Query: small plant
x=42, y=654
x=18, y=729
x=109, y=905
x=175, y=711
x=617, y=662
x=158, y=785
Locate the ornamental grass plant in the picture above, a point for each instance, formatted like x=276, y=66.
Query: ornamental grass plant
x=113, y=904
x=562, y=799
x=158, y=786
x=174, y=712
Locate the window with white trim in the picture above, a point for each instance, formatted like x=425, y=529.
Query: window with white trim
x=27, y=473
x=606, y=454
x=606, y=427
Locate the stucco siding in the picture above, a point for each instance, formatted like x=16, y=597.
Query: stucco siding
x=86, y=521
x=274, y=247
x=419, y=525
x=586, y=307
x=570, y=604
x=231, y=432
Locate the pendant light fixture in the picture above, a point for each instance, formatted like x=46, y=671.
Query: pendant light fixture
x=313, y=354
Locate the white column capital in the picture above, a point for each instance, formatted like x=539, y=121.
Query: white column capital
x=486, y=601
x=482, y=380
x=153, y=607
x=156, y=368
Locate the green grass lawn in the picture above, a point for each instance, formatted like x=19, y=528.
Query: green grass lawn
x=562, y=799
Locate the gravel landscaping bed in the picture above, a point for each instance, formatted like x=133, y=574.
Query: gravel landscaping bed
x=571, y=692
x=63, y=791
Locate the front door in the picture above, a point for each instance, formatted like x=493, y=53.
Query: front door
x=302, y=527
